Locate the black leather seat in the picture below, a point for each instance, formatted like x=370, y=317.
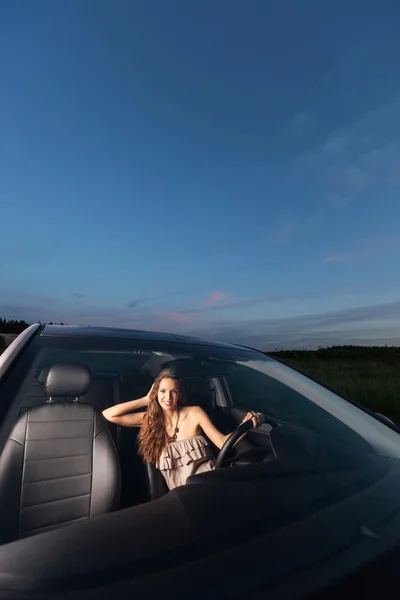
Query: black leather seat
x=59, y=465
x=157, y=486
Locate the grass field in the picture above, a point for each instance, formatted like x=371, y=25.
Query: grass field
x=6, y=339
x=369, y=375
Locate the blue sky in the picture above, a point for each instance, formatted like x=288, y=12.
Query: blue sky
x=218, y=168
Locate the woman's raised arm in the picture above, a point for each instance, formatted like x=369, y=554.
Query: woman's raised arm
x=121, y=414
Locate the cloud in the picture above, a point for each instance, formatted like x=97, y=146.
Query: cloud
x=133, y=303
x=40, y=298
x=384, y=242
x=18, y=309
x=149, y=299
x=334, y=258
x=178, y=317
x=76, y=295
x=360, y=158
x=350, y=182
x=273, y=298
x=31, y=304
x=215, y=297
x=376, y=324
x=336, y=143
x=365, y=325
x=366, y=250
x=230, y=305
x=283, y=234
x=337, y=200
x=39, y=253
x=384, y=163
x=303, y=122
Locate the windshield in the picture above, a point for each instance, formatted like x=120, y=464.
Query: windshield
x=224, y=381
x=96, y=424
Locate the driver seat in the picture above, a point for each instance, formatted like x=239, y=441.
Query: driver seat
x=59, y=465
x=157, y=486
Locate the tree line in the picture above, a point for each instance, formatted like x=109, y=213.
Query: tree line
x=12, y=326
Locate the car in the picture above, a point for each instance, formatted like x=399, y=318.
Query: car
x=305, y=506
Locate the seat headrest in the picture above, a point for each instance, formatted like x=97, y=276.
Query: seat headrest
x=43, y=375
x=67, y=380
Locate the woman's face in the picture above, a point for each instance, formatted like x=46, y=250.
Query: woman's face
x=168, y=394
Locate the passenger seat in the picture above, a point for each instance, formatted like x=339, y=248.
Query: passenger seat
x=98, y=394
x=59, y=465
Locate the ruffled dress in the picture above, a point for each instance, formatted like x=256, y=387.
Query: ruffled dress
x=184, y=458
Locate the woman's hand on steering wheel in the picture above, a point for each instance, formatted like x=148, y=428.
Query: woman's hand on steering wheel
x=257, y=418
x=251, y=419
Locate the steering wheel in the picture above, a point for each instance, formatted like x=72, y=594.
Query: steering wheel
x=235, y=435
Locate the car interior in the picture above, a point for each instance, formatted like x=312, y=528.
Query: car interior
x=64, y=463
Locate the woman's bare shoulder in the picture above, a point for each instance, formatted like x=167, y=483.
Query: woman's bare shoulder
x=190, y=410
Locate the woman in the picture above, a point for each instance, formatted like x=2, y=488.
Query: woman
x=171, y=433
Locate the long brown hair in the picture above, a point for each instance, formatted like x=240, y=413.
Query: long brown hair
x=153, y=435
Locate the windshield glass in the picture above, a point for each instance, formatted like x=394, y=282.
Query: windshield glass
x=281, y=392
x=223, y=380
x=149, y=418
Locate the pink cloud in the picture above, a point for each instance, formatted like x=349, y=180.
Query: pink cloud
x=178, y=317
x=334, y=258
x=215, y=297
x=232, y=305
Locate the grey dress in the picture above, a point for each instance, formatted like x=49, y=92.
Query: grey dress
x=184, y=458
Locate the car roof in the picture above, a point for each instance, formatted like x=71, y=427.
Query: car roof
x=134, y=334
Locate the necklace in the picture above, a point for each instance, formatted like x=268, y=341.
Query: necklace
x=175, y=434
